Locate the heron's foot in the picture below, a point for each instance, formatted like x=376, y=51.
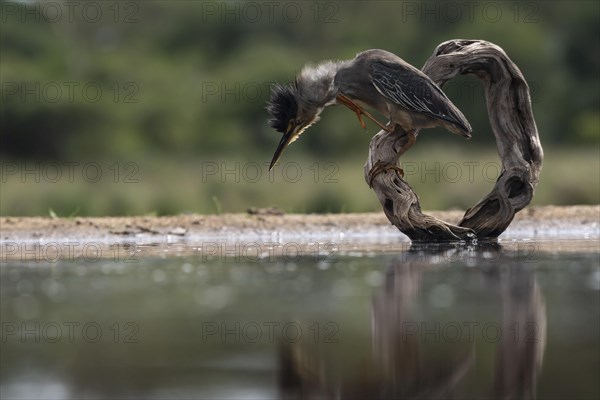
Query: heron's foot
x=380, y=167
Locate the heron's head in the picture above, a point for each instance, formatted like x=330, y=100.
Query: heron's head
x=296, y=106
x=291, y=113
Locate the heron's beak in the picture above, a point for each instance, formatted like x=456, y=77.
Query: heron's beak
x=285, y=140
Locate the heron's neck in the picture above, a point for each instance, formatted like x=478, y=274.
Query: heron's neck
x=318, y=82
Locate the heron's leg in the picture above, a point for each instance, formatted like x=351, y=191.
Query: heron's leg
x=360, y=112
x=354, y=107
x=381, y=166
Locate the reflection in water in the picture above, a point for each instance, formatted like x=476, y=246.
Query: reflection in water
x=428, y=322
x=401, y=367
x=519, y=358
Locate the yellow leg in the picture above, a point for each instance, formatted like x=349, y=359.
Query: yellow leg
x=360, y=112
x=354, y=107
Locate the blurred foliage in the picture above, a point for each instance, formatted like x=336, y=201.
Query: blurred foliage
x=172, y=85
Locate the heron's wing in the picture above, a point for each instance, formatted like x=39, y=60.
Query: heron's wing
x=415, y=92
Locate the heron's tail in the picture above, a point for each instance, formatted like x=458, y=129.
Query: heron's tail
x=457, y=123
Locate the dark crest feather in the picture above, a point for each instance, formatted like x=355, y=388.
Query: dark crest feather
x=282, y=106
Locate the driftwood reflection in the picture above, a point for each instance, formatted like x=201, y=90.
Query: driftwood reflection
x=398, y=368
x=519, y=355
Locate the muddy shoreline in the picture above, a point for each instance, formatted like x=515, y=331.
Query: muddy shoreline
x=183, y=234
x=47, y=228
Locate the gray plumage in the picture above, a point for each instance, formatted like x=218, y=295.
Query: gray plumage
x=399, y=91
x=376, y=79
x=415, y=93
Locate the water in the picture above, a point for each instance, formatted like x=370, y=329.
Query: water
x=511, y=321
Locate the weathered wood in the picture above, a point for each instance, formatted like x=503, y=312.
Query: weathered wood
x=511, y=119
x=400, y=203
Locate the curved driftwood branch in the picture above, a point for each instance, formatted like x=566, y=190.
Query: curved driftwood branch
x=400, y=203
x=511, y=119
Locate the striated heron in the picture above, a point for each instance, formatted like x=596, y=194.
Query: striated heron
x=376, y=79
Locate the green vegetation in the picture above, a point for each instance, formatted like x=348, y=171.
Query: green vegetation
x=443, y=177
x=163, y=98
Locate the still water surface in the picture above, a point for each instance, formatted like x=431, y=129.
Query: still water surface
x=420, y=322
